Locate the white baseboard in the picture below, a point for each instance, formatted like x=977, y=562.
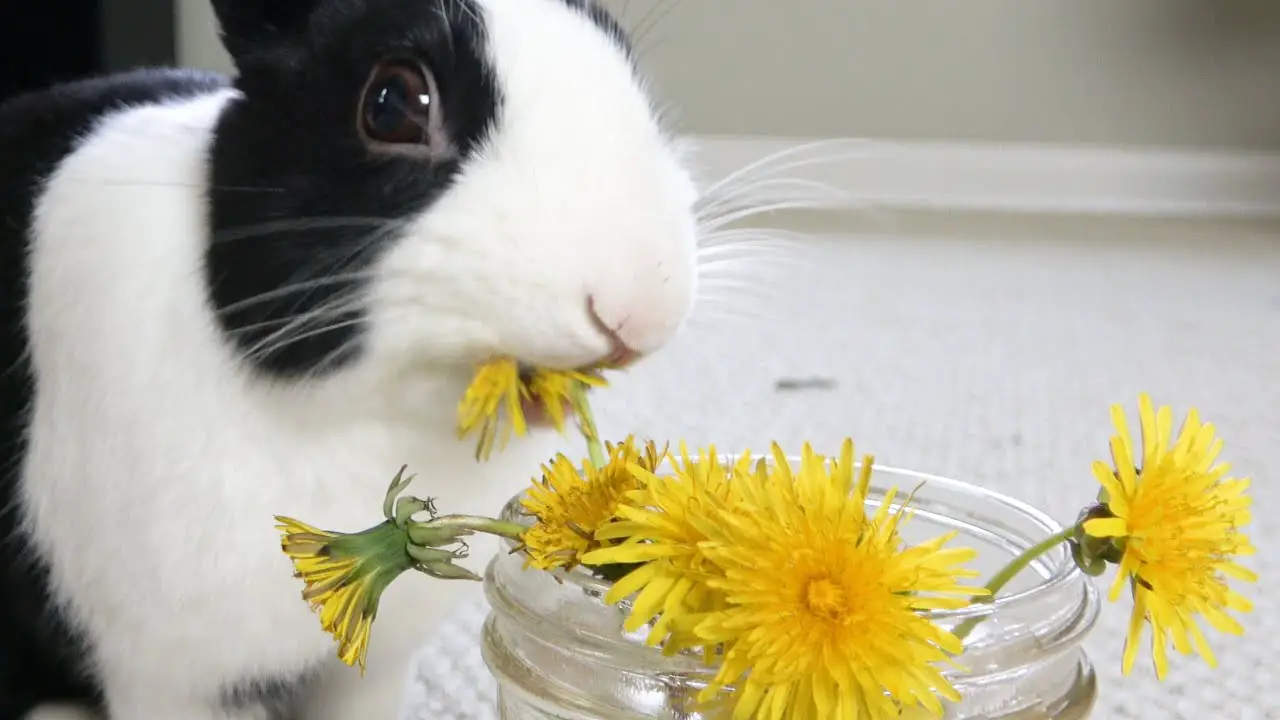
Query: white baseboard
x=1010, y=178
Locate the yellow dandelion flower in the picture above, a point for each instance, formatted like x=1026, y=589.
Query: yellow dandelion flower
x=502, y=392
x=345, y=576
x=824, y=604
x=571, y=504
x=1172, y=520
x=658, y=533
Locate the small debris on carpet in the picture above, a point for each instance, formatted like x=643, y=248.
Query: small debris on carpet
x=809, y=383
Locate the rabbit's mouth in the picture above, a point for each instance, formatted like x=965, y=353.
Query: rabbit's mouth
x=620, y=354
x=536, y=415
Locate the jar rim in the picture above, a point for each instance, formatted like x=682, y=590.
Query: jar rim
x=1062, y=571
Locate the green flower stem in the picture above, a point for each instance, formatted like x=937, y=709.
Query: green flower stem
x=456, y=526
x=1010, y=571
x=595, y=451
x=435, y=544
x=430, y=546
x=440, y=530
x=587, y=424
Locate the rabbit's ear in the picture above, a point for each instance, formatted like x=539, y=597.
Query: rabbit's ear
x=251, y=26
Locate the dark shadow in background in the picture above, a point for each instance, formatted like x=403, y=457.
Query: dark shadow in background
x=49, y=41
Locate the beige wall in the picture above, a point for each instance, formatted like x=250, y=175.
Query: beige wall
x=197, y=41
x=1171, y=72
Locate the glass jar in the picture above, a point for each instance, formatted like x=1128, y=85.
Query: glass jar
x=558, y=651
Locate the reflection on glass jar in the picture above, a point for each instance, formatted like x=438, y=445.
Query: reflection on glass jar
x=558, y=651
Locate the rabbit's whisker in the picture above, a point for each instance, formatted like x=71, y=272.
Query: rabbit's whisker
x=120, y=182
x=259, y=352
x=287, y=290
x=262, y=229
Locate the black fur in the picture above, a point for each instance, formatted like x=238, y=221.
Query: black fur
x=605, y=21
x=295, y=196
x=291, y=151
x=280, y=698
x=39, y=653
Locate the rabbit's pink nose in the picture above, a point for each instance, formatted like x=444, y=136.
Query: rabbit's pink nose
x=620, y=354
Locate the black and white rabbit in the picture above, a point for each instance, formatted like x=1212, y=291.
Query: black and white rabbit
x=224, y=299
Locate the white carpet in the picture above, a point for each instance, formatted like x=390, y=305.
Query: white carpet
x=990, y=355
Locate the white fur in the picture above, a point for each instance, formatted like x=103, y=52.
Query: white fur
x=157, y=461
x=577, y=194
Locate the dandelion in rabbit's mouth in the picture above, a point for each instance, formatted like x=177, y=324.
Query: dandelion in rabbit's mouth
x=505, y=395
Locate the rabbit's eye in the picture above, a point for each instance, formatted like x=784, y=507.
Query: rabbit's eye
x=398, y=104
